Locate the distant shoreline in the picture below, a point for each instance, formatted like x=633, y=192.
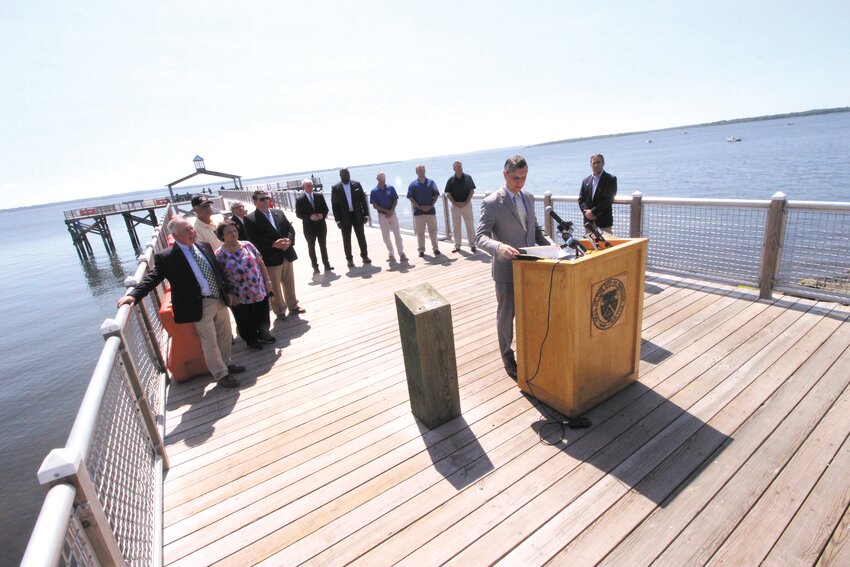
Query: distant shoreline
x=703, y=125
x=261, y=179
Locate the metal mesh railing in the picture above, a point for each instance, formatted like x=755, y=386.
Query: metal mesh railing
x=718, y=242
x=147, y=365
x=121, y=465
x=77, y=549
x=814, y=252
x=104, y=506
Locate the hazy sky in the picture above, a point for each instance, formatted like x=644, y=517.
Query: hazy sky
x=105, y=97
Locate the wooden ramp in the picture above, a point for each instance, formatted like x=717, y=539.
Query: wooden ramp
x=732, y=449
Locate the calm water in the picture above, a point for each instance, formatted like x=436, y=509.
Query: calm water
x=53, y=303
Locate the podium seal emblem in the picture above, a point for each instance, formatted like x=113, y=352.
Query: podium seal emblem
x=608, y=304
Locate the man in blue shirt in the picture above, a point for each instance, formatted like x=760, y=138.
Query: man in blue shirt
x=423, y=194
x=384, y=199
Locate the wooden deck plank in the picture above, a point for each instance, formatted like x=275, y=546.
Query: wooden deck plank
x=317, y=459
x=810, y=530
x=756, y=381
x=716, y=520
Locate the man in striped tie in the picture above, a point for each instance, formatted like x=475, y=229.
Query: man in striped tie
x=198, y=295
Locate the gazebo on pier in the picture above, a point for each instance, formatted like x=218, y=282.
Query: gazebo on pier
x=201, y=169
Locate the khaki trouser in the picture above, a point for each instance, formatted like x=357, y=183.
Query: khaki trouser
x=216, y=336
x=465, y=214
x=390, y=225
x=419, y=224
x=283, y=287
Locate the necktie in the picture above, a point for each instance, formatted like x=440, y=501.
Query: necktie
x=520, y=210
x=207, y=272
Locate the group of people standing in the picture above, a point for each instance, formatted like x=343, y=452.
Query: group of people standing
x=245, y=263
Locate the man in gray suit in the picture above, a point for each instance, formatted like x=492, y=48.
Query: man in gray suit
x=508, y=222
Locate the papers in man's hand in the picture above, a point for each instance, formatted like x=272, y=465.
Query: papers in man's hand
x=549, y=252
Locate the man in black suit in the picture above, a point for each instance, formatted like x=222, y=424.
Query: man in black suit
x=312, y=209
x=238, y=218
x=274, y=237
x=597, y=193
x=198, y=295
x=351, y=210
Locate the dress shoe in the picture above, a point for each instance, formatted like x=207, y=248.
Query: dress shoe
x=472, y=249
x=391, y=258
x=296, y=310
x=366, y=260
x=228, y=382
x=436, y=252
x=329, y=268
x=510, y=368
x=267, y=339
x=403, y=258
x=422, y=254
x=350, y=264
x=456, y=249
x=254, y=346
x=235, y=368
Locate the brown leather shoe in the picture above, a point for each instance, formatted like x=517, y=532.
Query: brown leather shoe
x=228, y=382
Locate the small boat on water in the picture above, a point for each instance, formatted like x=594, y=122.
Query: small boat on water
x=733, y=139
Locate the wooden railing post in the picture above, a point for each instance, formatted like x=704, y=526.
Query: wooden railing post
x=636, y=215
x=773, y=231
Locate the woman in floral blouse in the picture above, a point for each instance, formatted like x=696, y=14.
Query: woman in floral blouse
x=249, y=281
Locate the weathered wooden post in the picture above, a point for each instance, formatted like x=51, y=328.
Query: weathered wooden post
x=428, y=344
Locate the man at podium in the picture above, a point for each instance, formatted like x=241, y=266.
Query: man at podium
x=507, y=223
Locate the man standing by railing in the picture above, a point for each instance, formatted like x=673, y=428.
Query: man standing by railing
x=423, y=194
x=459, y=190
x=384, y=199
x=596, y=197
x=312, y=209
x=198, y=295
x=351, y=210
x=205, y=225
x=238, y=218
x=271, y=232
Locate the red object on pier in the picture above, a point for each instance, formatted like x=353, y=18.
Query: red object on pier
x=185, y=357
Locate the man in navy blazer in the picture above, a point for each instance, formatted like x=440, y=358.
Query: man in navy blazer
x=351, y=210
x=196, y=297
x=596, y=197
x=508, y=223
x=312, y=209
x=270, y=231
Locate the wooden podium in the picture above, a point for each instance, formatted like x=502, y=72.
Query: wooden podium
x=578, y=324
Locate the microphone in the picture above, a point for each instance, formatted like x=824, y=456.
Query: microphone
x=555, y=217
x=575, y=245
x=595, y=235
x=566, y=230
